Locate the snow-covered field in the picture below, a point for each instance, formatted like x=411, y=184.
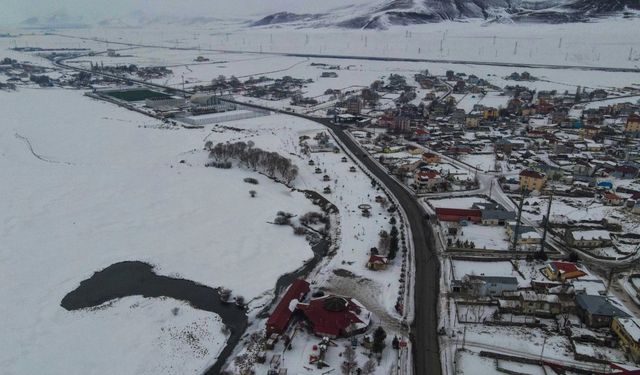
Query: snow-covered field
x=109, y=187
x=569, y=44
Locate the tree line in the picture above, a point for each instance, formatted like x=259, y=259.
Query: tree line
x=272, y=164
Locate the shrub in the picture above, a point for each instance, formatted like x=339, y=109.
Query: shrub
x=251, y=180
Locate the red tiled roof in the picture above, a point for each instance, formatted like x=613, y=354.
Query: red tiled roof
x=566, y=267
x=328, y=322
x=611, y=196
x=378, y=259
x=428, y=174
x=281, y=315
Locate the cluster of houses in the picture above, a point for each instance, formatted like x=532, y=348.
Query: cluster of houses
x=561, y=289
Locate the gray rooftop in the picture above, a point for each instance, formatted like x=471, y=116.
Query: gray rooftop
x=497, y=279
x=599, y=305
x=498, y=214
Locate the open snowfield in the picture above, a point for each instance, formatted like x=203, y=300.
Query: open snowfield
x=108, y=187
x=581, y=44
x=133, y=335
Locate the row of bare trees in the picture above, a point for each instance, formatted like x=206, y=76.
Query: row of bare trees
x=272, y=164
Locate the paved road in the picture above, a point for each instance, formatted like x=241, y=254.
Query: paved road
x=426, y=353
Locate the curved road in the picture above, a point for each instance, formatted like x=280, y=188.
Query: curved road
x=426, y=352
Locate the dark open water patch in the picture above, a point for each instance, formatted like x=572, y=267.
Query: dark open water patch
x=133, y=278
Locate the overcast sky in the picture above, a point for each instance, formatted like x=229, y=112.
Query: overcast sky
x=15, y=11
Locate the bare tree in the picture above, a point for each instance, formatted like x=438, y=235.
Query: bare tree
x=384, y=242
x=369, y=367
x=349, y=362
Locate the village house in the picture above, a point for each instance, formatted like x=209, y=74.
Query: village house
x=430, y=158
x=587, y=238
x=377, y=262
x=489, y=286
x=490, y=113
x=354, y=106
x=496, y=217
x=539, y=304
x=527, y=235
x=632, y=127
x=503, y=145
x=597, y=311
x=562, y=271
x=582, y=168
x=636, y=208
x=628, y=332
x=612, y=199
x=427, y=180
x=590, y=132
x=531, y=180
x=473, y=120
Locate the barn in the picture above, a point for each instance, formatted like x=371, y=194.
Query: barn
x=458, y=214
x=281, y=316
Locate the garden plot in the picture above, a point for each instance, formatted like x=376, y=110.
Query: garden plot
x=498, y=268
x=481, y=237
x=484, y=162
x=470, y=363
x=570, y=210
x=523, y=340
x=475, y=313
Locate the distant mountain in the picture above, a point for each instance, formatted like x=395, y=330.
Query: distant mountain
x=382, y=14
x=55, y=21
x=285, y=17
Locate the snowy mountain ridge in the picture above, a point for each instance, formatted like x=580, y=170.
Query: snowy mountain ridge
x=381, y=15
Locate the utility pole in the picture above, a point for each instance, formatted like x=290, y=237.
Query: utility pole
x=464, y=336
x=610, y=274
x=546, y=224
x=516, y=231
x=543, y=344
x=490, y=188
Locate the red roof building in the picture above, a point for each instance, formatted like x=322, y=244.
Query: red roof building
x=561, y=271
x=377, y=262
x=281, y=316
x=333, y=316
x=458, y=214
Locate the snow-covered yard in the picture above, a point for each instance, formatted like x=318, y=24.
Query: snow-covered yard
x=497, y=268
x=483, y=237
